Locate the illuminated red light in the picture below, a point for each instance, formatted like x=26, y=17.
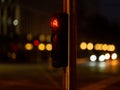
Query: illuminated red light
x=36, y=42
x=54, y=23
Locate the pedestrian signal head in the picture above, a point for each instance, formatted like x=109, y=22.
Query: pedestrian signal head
x=59, y=39
x=54, y=23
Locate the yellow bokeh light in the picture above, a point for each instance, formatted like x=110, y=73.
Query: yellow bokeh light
x=83, y=45
x=41, y=46
x=49, y=47
x=111, y=47
x=104, y=47
x=98, y=46
x=90, y=46
x=28, y=46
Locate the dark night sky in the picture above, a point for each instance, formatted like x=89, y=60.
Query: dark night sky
x=41, y=12
x=45, y=8
x=110, y=8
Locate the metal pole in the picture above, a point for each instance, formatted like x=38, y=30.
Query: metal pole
x=66, y=70
x=70, y=7
x=73, y=43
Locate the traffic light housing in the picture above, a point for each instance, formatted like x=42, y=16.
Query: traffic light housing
x=59, y=39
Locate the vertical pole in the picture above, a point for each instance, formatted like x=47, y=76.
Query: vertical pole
x=73, y=43
x=69, y=75
x=66, y=70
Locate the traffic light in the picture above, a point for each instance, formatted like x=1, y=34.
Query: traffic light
x=59, y=39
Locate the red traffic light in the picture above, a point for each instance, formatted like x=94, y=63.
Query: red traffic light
x=36, y=42
x=58, y=21
x=59, y=39
x=54, y=23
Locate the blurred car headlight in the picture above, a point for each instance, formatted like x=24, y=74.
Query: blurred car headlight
x=93, y=58
x=101, y=58
x=114, y=56
x=107, y=56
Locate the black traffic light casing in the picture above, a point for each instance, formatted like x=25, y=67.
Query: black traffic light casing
x=59, y=39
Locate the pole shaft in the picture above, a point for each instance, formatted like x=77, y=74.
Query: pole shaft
x=70, y=6
x=73, y=43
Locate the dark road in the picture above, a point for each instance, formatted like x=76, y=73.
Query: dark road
x=97, y=75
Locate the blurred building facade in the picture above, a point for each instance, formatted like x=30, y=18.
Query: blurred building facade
x=17, y=17
x=9, y=18
x=20, y=25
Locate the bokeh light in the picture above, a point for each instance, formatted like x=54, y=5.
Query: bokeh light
x=49, y=47
x=41, y=46
x=28, y=46
x=83, y=45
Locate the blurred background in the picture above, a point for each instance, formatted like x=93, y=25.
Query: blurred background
x=25, y=44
